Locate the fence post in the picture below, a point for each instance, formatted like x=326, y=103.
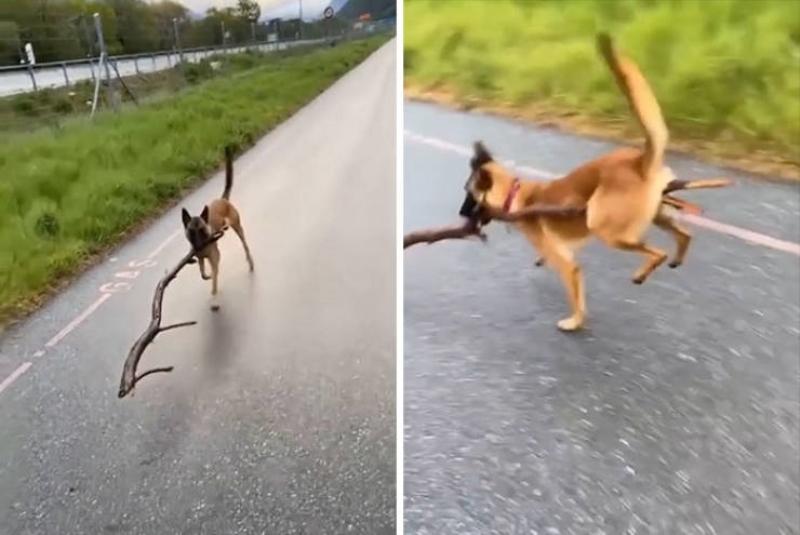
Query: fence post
x=98, y=26
x=33, y=76
x=136, y=64
x=177, y=39
x=91, y=69
x=66, y=76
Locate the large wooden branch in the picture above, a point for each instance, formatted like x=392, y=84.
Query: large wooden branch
x=472, y=227
x=467, y=229
x=677, y=185
x=129, y=375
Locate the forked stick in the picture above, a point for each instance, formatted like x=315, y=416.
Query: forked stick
x=129, y=376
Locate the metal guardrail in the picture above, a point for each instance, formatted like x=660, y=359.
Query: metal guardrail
x=17, y=79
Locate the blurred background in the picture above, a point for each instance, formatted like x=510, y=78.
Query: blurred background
x=726, y=72
x=50, y=49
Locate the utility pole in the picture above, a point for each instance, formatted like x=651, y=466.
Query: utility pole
x=98, y=26
x=222, y=23
x=177, y=39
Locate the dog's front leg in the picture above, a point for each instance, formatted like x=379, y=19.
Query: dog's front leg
x=560, y=258
x=201, y=263
x=213, y=259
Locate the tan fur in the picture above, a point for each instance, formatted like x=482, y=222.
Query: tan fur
x=622, y=191
x=222, y=214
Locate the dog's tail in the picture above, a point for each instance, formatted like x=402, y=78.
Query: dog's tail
x=642, y=101
x=226, y=193
x=676, y=185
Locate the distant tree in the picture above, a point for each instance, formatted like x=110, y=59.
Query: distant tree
x=10, y=45
x=136, y=26
x=163, y=13
x=249, y=10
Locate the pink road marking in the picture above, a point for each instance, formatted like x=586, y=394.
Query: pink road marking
x=749, y=236
x=78, y=320
x=14, y=375
x=743, y=234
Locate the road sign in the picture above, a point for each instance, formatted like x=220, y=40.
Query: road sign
x=328, y=13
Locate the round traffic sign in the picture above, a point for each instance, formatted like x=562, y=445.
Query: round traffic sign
x=328, y=13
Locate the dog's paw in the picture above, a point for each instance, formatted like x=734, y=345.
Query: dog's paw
x=214, y=308
x=539, y=262
x=639, y=280
x=570, y=324
x=675, y=263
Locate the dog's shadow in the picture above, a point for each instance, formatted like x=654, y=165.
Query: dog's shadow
x=225, y=329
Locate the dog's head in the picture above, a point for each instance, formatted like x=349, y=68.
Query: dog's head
x=479, y=183
x=196, y=228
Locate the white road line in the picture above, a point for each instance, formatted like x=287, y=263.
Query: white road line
x=77, y=321
x=743, y=234
x=163, y=244
x=14, y=376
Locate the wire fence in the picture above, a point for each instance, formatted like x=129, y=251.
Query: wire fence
x=55, y=93
x=28, y=77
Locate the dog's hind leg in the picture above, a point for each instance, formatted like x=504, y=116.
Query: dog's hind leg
x=653, y=257
x=237, y=228
x=681, y=235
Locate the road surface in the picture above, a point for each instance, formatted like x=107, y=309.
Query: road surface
x=280, y=414
x=676, y=411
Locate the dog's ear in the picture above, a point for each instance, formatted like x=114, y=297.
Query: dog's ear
x=204, y=214
x=484, y=180
x=481, y=156
x=185, y=216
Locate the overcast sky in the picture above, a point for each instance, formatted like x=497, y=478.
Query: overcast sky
x=269, y=8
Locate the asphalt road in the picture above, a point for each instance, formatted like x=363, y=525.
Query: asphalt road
x=280, y=414
x=675, y=412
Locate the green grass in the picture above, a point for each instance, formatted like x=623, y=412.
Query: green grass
x=68, y=194
x=722, y=69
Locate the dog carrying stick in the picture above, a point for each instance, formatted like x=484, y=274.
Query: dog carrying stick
x=129, y=376
x=471, y=228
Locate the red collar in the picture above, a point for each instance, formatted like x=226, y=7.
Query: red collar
x=511, y=195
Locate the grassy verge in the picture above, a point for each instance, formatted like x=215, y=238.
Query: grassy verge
x=53, y=107
x=727, y=72
x=65, y=195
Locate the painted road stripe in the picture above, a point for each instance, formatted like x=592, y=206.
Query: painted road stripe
x=743, y=234
x=78, y=320
x=14, y=376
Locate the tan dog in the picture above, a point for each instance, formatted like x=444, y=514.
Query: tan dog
x=622, y=192
x=219, y=215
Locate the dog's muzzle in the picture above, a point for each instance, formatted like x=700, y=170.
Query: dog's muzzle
x=469, y=207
